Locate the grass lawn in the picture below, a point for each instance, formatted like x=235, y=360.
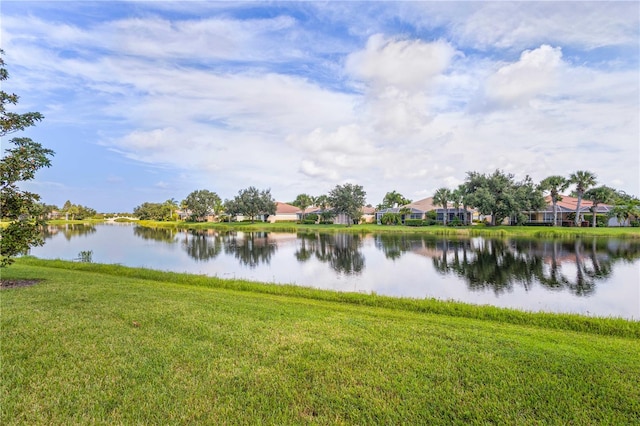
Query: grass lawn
x=112, y=345
x=463, y=231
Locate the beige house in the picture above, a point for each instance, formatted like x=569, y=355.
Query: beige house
x=284, y=213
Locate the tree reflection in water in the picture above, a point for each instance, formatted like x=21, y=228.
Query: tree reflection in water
x=499, y=264
x=251, y=248
x=163, y=235
x=69, y=230
x=341, y=251
x=202, y=245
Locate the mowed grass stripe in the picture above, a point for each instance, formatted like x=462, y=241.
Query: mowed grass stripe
x=84, y=347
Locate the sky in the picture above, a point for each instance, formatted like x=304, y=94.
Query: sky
x=147, y=101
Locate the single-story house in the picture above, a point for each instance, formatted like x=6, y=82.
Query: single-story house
x=368, y=214
x=565, y=208
x=284, y=213
x=419, y=209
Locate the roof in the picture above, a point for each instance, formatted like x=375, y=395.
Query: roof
x=569, y=203
x=284, y=208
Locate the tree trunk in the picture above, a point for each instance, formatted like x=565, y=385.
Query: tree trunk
x=577, y=218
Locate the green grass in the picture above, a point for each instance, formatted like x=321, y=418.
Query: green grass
x=496, y=231
x=103, y=344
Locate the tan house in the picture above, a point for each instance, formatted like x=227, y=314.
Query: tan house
x=419, y=209
x=284, y=213
x=566, y=208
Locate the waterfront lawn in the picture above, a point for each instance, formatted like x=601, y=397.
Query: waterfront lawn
x=84, y=346
x=463, y=231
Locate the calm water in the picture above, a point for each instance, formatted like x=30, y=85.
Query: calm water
x=592, y=277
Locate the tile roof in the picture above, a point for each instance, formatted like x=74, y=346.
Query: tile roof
x=569, y=203
x=284, y=208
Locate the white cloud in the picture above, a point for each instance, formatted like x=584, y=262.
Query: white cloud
x=533, y=75
x=403, y=64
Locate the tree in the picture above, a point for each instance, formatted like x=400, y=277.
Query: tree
x=600, y=195
x=555, y=185
x=251, y=202
x=528, y=197
x=153, y=211
x=583, y=180
x=394, y=198
x=441, y=198
x=499, y=196
x=348, y=199
x=19, y=164
x=303, y=201
x=201, y=203
x=171, y=205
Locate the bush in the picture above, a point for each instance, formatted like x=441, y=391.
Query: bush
x=635, y=223
x=390, y=219
x=601, y=220
x=326, y=222
x=414, y=222
x=455, y=222
x=311, y=216
x=308, y=222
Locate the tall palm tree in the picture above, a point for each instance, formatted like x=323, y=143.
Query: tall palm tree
x=600, y=195
x=441, y=198
x=583, y=180
x=555, y=185
x=456, y=200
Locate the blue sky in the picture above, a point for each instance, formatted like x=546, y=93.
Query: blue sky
x=146, y=101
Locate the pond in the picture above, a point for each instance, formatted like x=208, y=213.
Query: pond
x=598, y=277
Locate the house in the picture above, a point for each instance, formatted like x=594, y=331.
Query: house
x=419, y=209
x=566, y=209
x=368, y=214
x=284, y=213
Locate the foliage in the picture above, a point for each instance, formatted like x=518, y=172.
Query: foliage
x=500, y=196
x=441, y=198
x=600, y=195
x=390, y=219
x=154, y=211
x=312, y=217
x=303, y=201
x=348, y=199
x=202, y=203
x=252, y=202
x=414, y=222
x=554, y=185
x=19, y=164
x=393, y=199
x=77, y=211
x=625, y=212
x=583, y=180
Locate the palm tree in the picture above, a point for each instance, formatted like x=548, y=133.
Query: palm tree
x=441, y=198
x=600, y=195
x=583, y=180
x=456, y=200
x=555, y=185
x=405, y=213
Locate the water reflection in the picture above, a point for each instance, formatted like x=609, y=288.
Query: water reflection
x=201, y=245
x=68, y=231
x=496, y=265
x=343, y=252
x=251, y=249
x=499, y=265
x=164, y=235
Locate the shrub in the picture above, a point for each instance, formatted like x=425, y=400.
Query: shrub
x=390, y=219
x=311, y=216
x=309, y=222
x=414, y=222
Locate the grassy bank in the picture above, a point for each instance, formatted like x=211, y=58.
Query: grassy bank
x=465, y=231
x=105, y=344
